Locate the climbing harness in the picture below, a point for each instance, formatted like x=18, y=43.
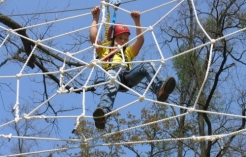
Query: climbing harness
x=109, y=33
x=107, y=38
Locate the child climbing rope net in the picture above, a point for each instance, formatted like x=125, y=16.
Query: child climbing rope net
x=119, y=53
x=116, y=56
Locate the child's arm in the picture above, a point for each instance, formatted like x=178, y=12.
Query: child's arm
x=140, y=40
x=93, y=30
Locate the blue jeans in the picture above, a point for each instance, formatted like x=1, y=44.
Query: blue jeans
x=130, y=78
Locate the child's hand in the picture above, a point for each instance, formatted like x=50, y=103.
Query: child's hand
x=95, y=12
x=135, y=15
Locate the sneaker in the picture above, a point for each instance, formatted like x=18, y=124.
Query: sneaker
x=166, y=88
x=99, y=118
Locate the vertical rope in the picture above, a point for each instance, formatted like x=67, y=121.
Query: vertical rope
x=107, y=26
x=106, y=42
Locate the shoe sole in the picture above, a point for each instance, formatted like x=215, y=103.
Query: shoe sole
x=166, y=89
x=99, y=119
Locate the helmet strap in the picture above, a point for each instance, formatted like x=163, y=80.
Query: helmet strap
x=112, y=32
x=114, y=42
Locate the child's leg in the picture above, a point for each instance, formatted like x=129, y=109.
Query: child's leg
x=148, y=70
x=109, y=93
x=106, y=101
x=161, y=88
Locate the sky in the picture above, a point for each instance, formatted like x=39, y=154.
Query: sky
x=67, y=21
x=27, y=9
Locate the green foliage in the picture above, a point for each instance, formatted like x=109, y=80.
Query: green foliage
x=50, y=155
x=187, y=66
x=115, y=123
x=242, y=21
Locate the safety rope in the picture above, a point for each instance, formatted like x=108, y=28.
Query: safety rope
x=106, y=40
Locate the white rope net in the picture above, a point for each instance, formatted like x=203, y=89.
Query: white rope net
x=88, y=68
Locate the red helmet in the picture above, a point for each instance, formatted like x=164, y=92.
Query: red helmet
x=118, y=29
